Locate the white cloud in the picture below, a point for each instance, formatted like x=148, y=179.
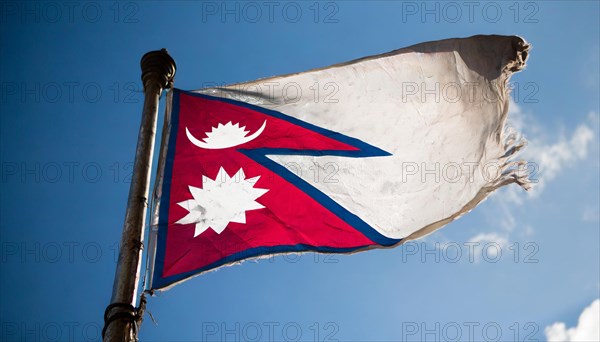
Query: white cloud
x=516, y=117
x=590, y=214
x=589, y=68
x=549, y=159
x=552, y=158
x=587, y=329
x=488, y=245
x=528, y=231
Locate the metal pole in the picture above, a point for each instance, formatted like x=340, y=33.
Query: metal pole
x=158, y=71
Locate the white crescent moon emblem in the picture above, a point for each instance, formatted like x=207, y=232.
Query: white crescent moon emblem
x=221, y=139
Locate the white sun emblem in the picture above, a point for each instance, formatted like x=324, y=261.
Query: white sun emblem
x=220, y=201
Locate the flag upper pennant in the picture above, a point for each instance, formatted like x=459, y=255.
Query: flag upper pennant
x=248, y=171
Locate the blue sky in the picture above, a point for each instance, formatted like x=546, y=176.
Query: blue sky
x=70, y=111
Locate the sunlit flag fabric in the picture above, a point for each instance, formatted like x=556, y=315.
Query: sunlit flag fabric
x=360, y=155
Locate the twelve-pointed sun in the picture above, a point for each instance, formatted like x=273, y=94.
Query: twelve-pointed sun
x=220, y=201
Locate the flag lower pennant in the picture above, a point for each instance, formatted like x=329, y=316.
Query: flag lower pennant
x=360, y=155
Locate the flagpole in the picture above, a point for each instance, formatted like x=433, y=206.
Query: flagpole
x=121, y=316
